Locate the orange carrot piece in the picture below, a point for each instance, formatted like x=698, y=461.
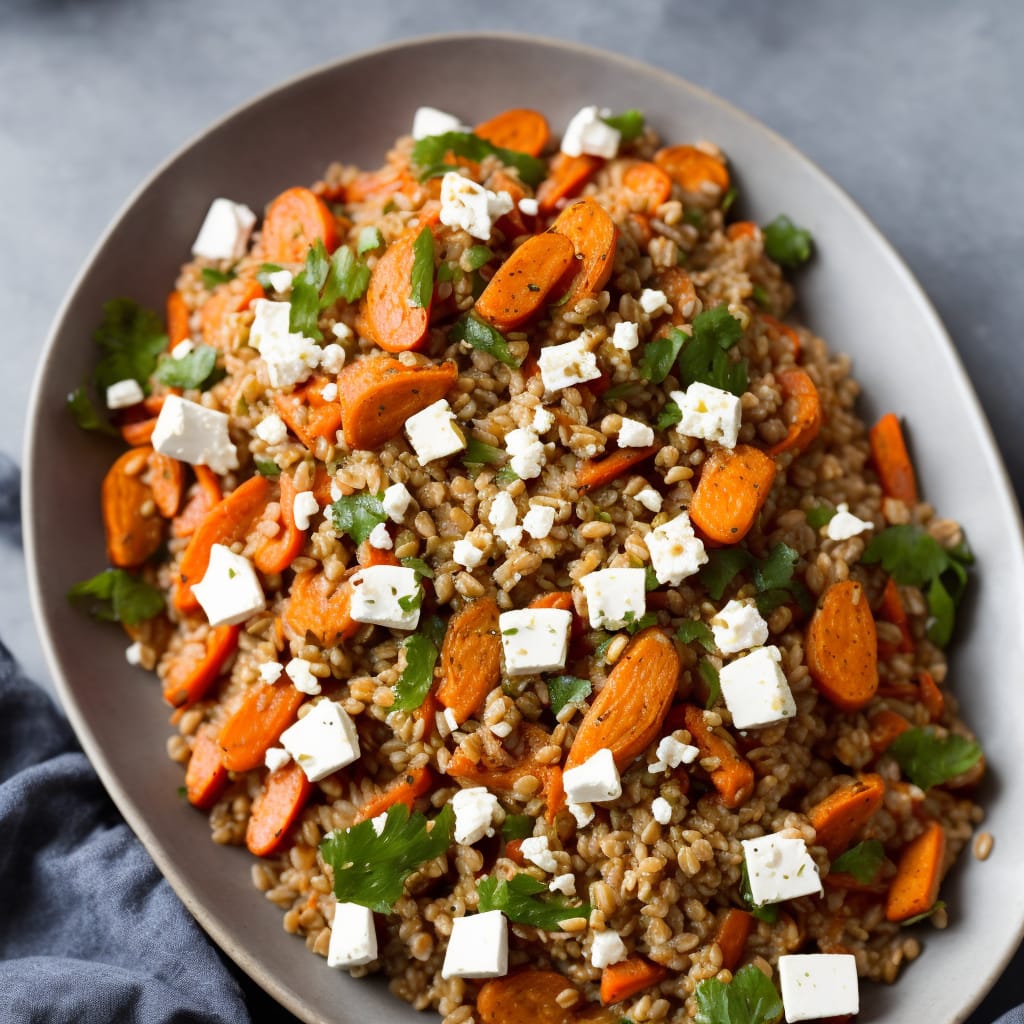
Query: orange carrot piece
x=629, y=711
x=256, y=725
x=131, y=536
x=568, y=174
x=627, y=977
x=650, y=181
x=377, y=395
x=692, y=169
x=402, y=790
x=317, y=419
x=167, y=482
x=293, y=222
x=521, y=285
x=561, y=599
x=318, y=607
x=594, y=236
x=915, y=886
x=796, y=386
x=177, y=319
x=367, y=555
x=734, y=485
x=680, y=292
x=284, y=794
x=733, y=931
x=734, y=777
x=525, y=131
x=207, y=494
x=470, y=658
x=205, y=775
x=843, y=813
x=592, y=474
x=186, y=680
x=379, y=184
x=777, y=326
x=884, y=727
x=512, y=223
x=742, y=229
x=526, y=997
x=226, y=301
x=892, y=610
x=931, y=695
x=275, y=554
x=138, y=432
x=514, y=852
x=391, y=321
x=892, y=461
x=842, y=647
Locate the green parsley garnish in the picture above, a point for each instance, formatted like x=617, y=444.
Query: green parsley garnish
x=772, y=575
x=422, y=570
x=358, y=514
x=263, y=274
x=669, y=416
x=477, y=334
x=431, y=156
x=369, y=239
x=196, y=369
x=929, y=761
x=709, y=674
x=917, y=918
x=862, y=861
x=479, y=453
x=750, y=998
x=705, y=357
x=213, y=277
x=414, y=683
x=517, y=826
x=477, y=256
x=694, y=630
x=268, y=468
x=629, y=124
x=130, y=338
x=819, y=516
x=422, y=269
x=650, y=579
x=787, y=244
x=729, y=199
x=86, y=415
x=520, y=900
x=633, y=625
x=505, y=476
x=602, y=640
x=322, y=281
x=567, y=690
x=766, y=912
x=410, y=602
x=115, y=595
x=659, y=355
x=760, y=296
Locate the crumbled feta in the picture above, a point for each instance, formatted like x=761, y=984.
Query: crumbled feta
x=650, y=499
x=634, y=434
x=738, y=627
x=583, y=813
x=534, y=639
x=353, y=936
x=194, y=434
x=710, y=413
x=329, y=392
x=433, y=434
x=671, y=754
x=615, y=597
x=474, y=812
x=780, y=868
x=588, y=134
x=304, y=507
x=270, y=671
x=229, y=591
x=538, y=521
x=336, y=492
x=562, y=366
x=543, y=420
x=529, y=206
x=819, y=985
x=380, y=822
x=276, y=758
x=467, y=205
x=755, y=689
x=290, y=356
x=842, y=526
x=652, y=300
x=299, y=671
x=477, y=947
x=224, y=233
x=607, y=948
x=502, y=516
x=183, y=348
x=380, y=538
x=377, y=593
x=526, y=453
x=626, y=336
x=535, y=850
x=280, y=280
x=123, y=393
x=332, y=357
x=133, y=653
x=396, y=502
x=323, y=741
x=594, y=781
x=565, y=884
x=662, y=810
x=466, y=553
x=272, y=429
x=429, y=121
x=676, y=551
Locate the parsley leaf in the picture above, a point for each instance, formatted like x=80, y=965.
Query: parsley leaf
x=371, y=870
x=862, y=861
x=86, y=415
x=422, y=570
x=659, y=355
x=422, y=269
x=669, y=416
x=929, y=761
x=263, y=274
x=505, y=476
x=709, y=674
x=117, y=596
x=321, y=282
x=517, y=826
x=477, y=256
x=519, y=900
x=347, y=279
x=130, y=338
x=197, y=369
x=358, y=514
x=413, y=684
x=750, y=998
x=694, y=630
x=777, y=569
x=479, y=453
x=772, y=575
x=722, y=566
x=634, y=625
x=787, y=244
x=268, y=468
x=629, y=124
x=819, y=516
x=705, y=357
x=410, y=602
x=369, y=239
x=937, y=905
x=477, y=334
x=767, y=912
x=431, y=156
x=567, y=690
x=650, y=579
x=602, y=640
x=213, y=277
x=729, y=199
x=760, y=296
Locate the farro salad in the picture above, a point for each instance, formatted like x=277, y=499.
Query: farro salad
x=532, y=602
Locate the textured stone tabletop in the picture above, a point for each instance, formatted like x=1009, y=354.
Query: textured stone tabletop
x=913, y=107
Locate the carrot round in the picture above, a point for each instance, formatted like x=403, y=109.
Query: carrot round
x=275, y=554
x=512, y=223
x=265, y=712
x=527, y=997
x=402, y=790
x=627, y=977
x=167, y=482
x=226, y=300
x=377, y=395
x=320, y=608
x=734, y=484
x=678, y=287
x=892, y=610
x=293, y=222
x=884, y=727
x=567, y=175
x=205, y=775
x=733, y=932
x=796, y=386
x=284, y=794
x=842, y=647
x=692, y=169
x=380, y=184
x=843, y=813
x=628, y=712
x=522, y=283
x=524, y=130
x=931, y=695
x=131, y=536
x=742, y=229
x=734, y=777
x=187, y=680
x=308, y=414
x=892, y=461
x=177, y=319
x=650, y=181
x=392, y=323
x=470, y=658
x=593, y=235
x=915, y=887
x=206, y=495
x=592, y=474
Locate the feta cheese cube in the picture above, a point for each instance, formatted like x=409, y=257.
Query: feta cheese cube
x=123, y=393
x=323, y=741
x=607, y=948
x=353, y=936
x=710, y=413
x=738, y=627
x=276, y=758
x=565, y=884
x=332, y=357
x=538, y=521
x=502, y=516
x=819, y=985
x=299, y=672
x=466, y=553
x=780, y=868
x=650, y=499
x=672, y=753
x=755, y=689
x=586, y=133
x=526, y=453
x=634, y=434
x=290, y=357
x=467, y=205
x=676, y=551
x=380, y=538
x=272, y=429
x=543, y=420
x=433, y=433
x=594, y=781
x=625, y=336
x=661, y=809
x=474, y=812
x=615, y=597
x=477, y=947
x=270, y=671
x=534, y=639
x=229, y=591
x=378, y=593
x=280, y=280
x=429, y=121
x=562, y=366
x=183, y=348
x=396, y=502
x=535, y=850
x=652, y=300
x=583, y=813
x=842, y=526
x=304, y=507
x=329, y=392
x=133, y=653
x=529, y=206
x=224, y=233
x=194, y=434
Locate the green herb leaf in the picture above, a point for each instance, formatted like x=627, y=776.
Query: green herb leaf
x=197, y=369
x=709, y=674
x=414, y=683
x=704, y=356
x=659, y=355
x=263, y=274
x=477, y=256
x=477, y=334
x=819, y=516
x=650, y=579
x=115, y=595
x=347, y=279
x=633, y=625
x=371, y=870
x=602, y=640
x=750, y=998
x=760, y=296
x=917, y=918
x=479, y=453
x=694, y=630
x=768, y=912
x=862, y=861
x=929, y=761
x=505, y=476
x=369, y=239
x=723, y=565
x=86, y=415
x=629, y=124
x=669, y=416
x=213, y=277
x=626, y=390
x=787, y=244
x=942, y=609
x=772, y=576
x=130, y=338
x=517, y=826
x=268, y=468
x=423, y=571
x=520, y=900
x=422, y=269
x=777, y=569
x=321, y=282
x=431, y=154
x=567, y=690
x=410, y=602
x=729, y=199
x=358, y=514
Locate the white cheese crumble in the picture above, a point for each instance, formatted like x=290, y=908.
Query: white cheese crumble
x=565, y=884
x=290, y=356
x=843, y=525
x=538, y=521
x=535, y=850
x=615, y=597
x=661, y=809
x=607, y=948
x=526, y=453
x=304, y=507
x=738, y=627
x=477, y=947
x=123, y=393
x=280, y=280
x=534, y=639
x=543, y=420
x=229, y=591
x=299, y=671
x=650, y=499
x=502, y=516
x=272, y=429
x=429, y=121
x=276, y=758
x=626, y=336
x=378, y=595
x=329, y=392
x=594, y=781
x=467, y=554
x=194, y=434
x=634, y=434
x=671, y=754
x=224, y=233
x=819, y=985
x=676, y=551
x=779, y=868
x=755, y=689
x=562, y=366
x=710, y=413
x=270, y=671
x=652, y=300
x=332, y=357
x=323, y=741
x=583, y=813
x=474, y=813
x=133, y=653
x=183, y=348
x=529, y=206
x=396, y=502
x=353, y=936
x=380, y=538
x=588, y=134
x=467, y=205
x=433, y=433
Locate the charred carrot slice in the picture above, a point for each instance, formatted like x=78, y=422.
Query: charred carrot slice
x=681, y=294
x=843, y=813
x=320, y=608
x=167, y=482
x=205, y=775
x=650, y=181
x=592, y=474
x=734, y=777
x=732, y=935
x=692, y=169
x=131, y=536
x=512, y=223
x=402, y=790
x=294, y=221
x=797, y=387
x=177, y=319
x=217, y=312
x=915, y=886
x=394, y=324
x=594, y=236
x=470, y=658
x=206, y=495
x=275, y=554
x=379, y=184
x=308, y=414
x=527, y=997
x=931, y=696
x=523, y=130
x=265, y=712
x=743, y=230
x=567, y=176
x=284, y=794
x=734, y=485
x=884, y=727
x=627, y=977
x=892, y=461
x=892, y=610
x=186, y=679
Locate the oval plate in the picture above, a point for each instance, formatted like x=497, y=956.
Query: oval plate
x=856, y=293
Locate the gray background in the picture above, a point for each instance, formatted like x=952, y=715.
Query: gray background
x=913, y=106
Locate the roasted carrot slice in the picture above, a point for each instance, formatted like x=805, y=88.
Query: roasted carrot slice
x=733, y=932
x=742, y=229
x=650, y=181
x=167, y=482
x=884, y=727
x=207, y=494
x=843, y=813
x=265, y=712
x=394, y=324
x=177, y=319
x=797, y=387
x=627, y=977
x=681, y=294
x=187, y=680
x=592, y=474
x=525, y=131
x=915, y=886
x=294, y=221
x=512, y=223
x=527, y=997
x=205, y=775
x=734, y=777
x=308, y=414
x=380, y=184
x=842, y=647
x=931, y=695
x=692, y=169
x=275, y=554
x=778, y=327
x=284, y=794
x=403, y=790
x=226, y=301
x=734, y=485
x=593, y=235
x=520, y=286
x=567, y=176
x=377, y=395
x=470, y=658
x=320, y=608
x=892, y=461
x=892, y=610
x=131, y=536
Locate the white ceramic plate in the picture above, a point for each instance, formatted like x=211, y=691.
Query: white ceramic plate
x=857, y=294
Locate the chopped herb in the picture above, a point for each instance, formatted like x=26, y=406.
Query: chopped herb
x=477, y=255
x=709, y=674
x=348, y=278
x=626, y=390
x=567, y=690
x=196, y=369
x=693, y=630
x=520, y=899
x=750, y=998
x=760, y=296
x=422, y=269
x=505, y=476
x=819, y=516
x=86, y=415
x=268, y=468
x=517, y=826
x=669, y=416
x=115, y=595
x=722, y=566
x=772, y=575
x=263, y=274
x=777, y=569
x=787, y=244
x=768, y=912
x=729, y=199
x=704, y=355
x=321, y=282
x=213, y=277
x=650, y=579
x=389, y=207
x=633, y=625
x=431, y=156
x=448, y=271
x=358, y=514
x=602, y=640
x=862, y=861
x=629, y=124
x=422, y=570
x=410, y=602
x=477, y=334
x=371, y=870
x=928, y=760
x=479, y=453
x=917, y=918
x=477, y=284
x=414, y=683
x=369, y=239
x=659, y=355
x=130, y=338
x=510, y=632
